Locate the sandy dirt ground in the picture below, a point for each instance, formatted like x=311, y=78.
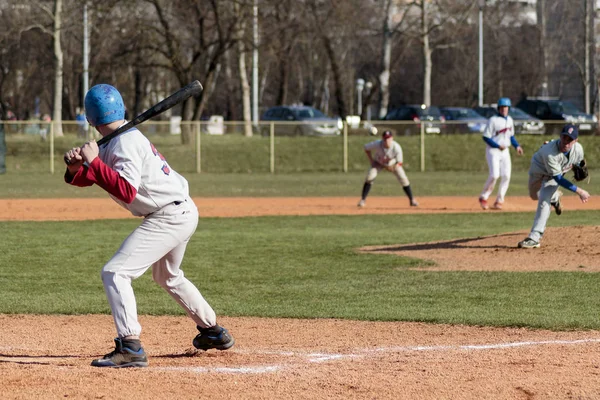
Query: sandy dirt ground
x=104, y=208
x=49, y=356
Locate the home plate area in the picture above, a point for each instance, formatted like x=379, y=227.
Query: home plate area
x=298, y=358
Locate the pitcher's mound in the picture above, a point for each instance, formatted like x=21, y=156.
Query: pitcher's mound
x=562, y=249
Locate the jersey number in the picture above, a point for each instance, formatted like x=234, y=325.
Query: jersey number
x=165, y=168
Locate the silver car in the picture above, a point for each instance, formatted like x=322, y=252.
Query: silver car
x=524, y=123
x=300, y=120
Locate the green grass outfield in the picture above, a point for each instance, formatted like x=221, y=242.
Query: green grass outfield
x=301, y=267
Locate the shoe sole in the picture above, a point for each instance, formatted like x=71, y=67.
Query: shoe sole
x=558, y=208
x=221, y=347
x=136, y=364
x=535, y=246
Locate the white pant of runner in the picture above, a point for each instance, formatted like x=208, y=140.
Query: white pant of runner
x=499, y=165
x=159, y=242
x=544, y=189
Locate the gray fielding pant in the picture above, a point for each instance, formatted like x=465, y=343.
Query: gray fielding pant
x=544, y=189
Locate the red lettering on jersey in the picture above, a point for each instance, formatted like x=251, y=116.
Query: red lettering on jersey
x=165, y=168
x=501, y=131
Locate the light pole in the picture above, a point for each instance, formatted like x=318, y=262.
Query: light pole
x=368, y=87
x=255, y=63
x=360, y=85
x=86, y=61
x=480, y=97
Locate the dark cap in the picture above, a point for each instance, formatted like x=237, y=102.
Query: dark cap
x=571, y=131
x=386, y=134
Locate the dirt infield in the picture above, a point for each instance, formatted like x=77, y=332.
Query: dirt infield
x=104, y=208
x=49, y=356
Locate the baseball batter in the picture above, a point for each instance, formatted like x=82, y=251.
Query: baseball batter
x=139, y=179
x=388, y=156
x=546, y=174
x=499, y=134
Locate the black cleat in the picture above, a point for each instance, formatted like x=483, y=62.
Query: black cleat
x=557, y=205
x=215, y=337
x=122, y=357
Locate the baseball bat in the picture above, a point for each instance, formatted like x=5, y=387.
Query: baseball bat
x=193, y=89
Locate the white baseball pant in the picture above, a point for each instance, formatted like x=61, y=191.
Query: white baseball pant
x=159, y=242
x=499, y=165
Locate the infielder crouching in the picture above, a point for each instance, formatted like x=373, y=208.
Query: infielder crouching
x=388, y=156
x=546, y=174
x=139, y=179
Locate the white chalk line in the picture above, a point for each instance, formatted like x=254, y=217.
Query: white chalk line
x=363, y=353
x=314, y=357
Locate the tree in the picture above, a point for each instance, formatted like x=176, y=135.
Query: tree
x=58, y=69
x=245, y=86
x=391, y=11
x=434, y=34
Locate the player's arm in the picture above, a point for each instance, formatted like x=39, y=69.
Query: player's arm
x=490, y=142
x=489, y=133
x=76, y=170
x=567, y=184
x=516, y=145
x=104, y=176
x=368, y=150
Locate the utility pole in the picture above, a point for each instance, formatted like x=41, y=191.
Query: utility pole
x=480, y=91
x=255, y=63
x=86, y=59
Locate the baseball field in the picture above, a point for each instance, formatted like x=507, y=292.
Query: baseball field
x=325, y=300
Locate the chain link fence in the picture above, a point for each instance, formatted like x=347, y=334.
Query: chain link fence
x=217, y=146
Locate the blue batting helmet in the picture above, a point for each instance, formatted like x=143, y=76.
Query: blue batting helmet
x=504, y=102
x=103, y=105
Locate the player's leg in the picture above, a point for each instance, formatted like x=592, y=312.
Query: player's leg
x=505, y=173
x=143, y=247
x=167, y=273
x=147, y=244
x=493, y=160
x=534, y=185
x=371, y=175
x=403, y=179
x=547, y=192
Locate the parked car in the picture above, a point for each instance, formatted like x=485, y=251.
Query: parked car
x=300, y=120
x=472, y=122
x=549, y=109
x=524, y=123
x=431, y=117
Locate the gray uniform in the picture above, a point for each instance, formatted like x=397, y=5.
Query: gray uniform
x=546, y=163
x=385, y=158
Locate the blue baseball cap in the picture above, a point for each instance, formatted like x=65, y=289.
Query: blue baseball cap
x=571, y=131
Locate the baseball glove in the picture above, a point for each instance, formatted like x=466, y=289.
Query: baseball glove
x=580, y=171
